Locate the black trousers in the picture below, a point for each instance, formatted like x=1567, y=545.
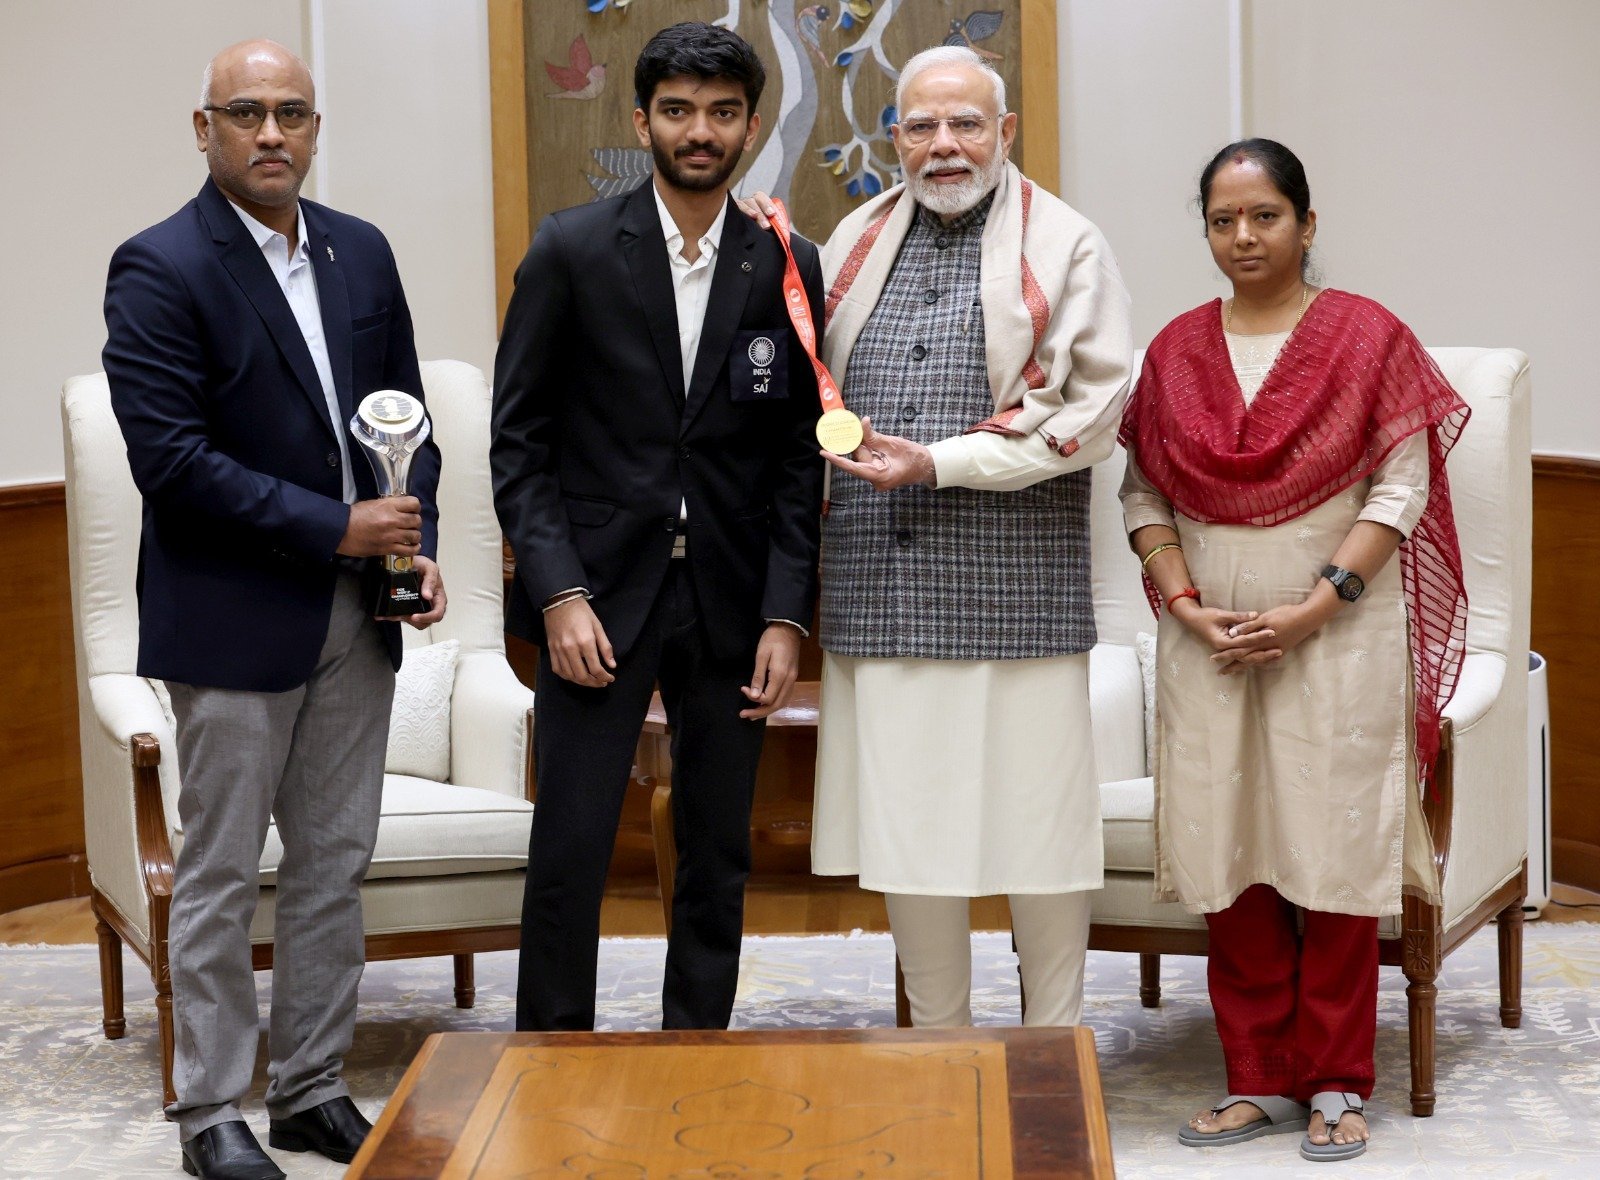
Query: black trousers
x=584, y=743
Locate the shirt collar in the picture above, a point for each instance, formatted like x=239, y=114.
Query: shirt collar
x=709, y=244
x=262, y=234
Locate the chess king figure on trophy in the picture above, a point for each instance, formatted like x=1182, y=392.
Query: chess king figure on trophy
x=392, y=426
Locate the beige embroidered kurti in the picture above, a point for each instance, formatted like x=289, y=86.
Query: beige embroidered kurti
x=1300, y=775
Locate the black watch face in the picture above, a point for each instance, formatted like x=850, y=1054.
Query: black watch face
x=1350, y=587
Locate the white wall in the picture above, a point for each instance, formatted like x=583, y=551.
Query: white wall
x=406, y=146
x=1451, y=144
x=1144, y=102
x=1457, y=173
x=97, y=144
x=1453, y=149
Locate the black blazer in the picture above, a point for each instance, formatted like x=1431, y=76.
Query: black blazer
x=229, y=439
x=596, y=440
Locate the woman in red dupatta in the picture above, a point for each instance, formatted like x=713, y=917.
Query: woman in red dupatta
x=1286, y=492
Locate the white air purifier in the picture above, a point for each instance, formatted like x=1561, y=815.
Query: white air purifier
x=1538, y=785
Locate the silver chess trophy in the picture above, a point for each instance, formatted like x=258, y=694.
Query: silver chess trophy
x=392, y=426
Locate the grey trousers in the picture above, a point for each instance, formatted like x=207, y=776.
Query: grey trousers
x=312, y=758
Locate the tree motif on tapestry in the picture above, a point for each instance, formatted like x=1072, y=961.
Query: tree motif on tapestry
x=831, y=71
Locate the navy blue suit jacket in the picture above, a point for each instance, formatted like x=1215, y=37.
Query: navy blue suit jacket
x=229, y=437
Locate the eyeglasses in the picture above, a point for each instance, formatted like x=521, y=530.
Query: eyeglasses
x=247, y=116
x=919, y=131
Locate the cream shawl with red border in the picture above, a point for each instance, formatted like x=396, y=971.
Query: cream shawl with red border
x=1056, y=313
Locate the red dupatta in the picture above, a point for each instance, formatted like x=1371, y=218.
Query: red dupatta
x=1351, y=383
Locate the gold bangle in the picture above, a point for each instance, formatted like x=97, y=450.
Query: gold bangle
x=1145, y=564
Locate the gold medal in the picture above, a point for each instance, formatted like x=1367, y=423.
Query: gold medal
x=839, y=431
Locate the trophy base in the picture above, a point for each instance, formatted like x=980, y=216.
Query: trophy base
x=397, y=593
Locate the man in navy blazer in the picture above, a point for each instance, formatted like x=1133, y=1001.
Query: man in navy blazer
x=241, y=333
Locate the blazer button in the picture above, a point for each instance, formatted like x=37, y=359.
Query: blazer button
x=930, y=297
x=904, y=538
x=333, y=458
x=683, y=452
x=672, y=524
x=918, y=353
x=941, y=242
x=909, y=414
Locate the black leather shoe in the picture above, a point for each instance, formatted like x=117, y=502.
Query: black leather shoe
x=335, y=1129
x=228, y=1151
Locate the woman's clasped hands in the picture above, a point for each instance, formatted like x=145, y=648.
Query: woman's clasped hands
x=1238, y=640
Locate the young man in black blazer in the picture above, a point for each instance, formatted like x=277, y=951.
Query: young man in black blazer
x=656, y=474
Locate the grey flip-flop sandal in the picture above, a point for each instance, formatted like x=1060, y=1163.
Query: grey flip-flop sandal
x=1281, y=1116
x=1333, y=1105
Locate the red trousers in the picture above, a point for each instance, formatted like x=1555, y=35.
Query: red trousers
x=1296, y=1013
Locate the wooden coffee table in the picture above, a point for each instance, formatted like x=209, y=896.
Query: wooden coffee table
x=880, y=1104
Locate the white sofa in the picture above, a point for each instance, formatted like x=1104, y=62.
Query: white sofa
x=452, y=843
x=1479, y=816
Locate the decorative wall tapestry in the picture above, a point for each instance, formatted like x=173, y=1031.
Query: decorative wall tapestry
x=831, y=70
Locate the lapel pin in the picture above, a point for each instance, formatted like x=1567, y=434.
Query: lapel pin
x=330, y=253
x=746, y=267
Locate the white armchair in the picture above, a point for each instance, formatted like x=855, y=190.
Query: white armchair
x=447, y=873
x=1480, y=844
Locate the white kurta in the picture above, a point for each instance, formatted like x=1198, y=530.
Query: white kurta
x=962, y=778
x=1300, y=775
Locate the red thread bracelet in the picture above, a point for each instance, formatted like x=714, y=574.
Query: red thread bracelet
x=1186, y=592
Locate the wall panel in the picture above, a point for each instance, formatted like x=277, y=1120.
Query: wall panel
x=41, y=791
x=1566, y=605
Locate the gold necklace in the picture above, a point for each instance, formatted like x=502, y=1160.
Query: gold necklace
x=1305, y=299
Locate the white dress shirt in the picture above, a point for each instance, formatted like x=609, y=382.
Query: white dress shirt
x=298, y=279
x=691, y=281
x=691, y=288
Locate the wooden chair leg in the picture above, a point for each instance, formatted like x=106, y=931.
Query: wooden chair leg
x=902, y=1003
x=663, y=836
x=1150, y=980
x=113, y=1021
x=1510, y=931
x=163, y=983
x=466, y=985
x=1421, y=1001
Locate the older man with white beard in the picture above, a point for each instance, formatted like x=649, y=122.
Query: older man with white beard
x=986, y=321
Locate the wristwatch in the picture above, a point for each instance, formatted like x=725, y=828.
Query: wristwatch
x=1348, y=585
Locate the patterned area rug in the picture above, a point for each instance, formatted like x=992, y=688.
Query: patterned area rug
x=1519, y=1103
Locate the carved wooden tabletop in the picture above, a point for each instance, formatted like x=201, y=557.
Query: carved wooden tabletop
x=880, y=1104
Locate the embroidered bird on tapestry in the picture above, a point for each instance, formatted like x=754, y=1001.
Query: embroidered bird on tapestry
x=808, y=23
x=580, y=77
x=978, y=26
